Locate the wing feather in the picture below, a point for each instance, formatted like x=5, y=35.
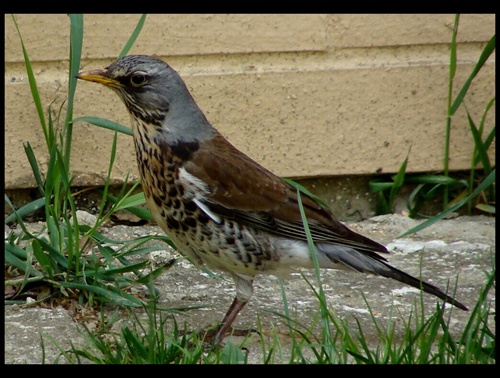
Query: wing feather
x=243, y=190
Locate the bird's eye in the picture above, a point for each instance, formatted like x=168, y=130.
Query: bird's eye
x=138, y=79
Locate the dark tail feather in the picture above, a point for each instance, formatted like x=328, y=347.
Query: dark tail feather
x=427, y=287
x=370, y=262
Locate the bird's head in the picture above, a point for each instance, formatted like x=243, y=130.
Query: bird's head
x=148, y=86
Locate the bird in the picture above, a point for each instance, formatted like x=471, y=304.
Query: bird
x=221, y=208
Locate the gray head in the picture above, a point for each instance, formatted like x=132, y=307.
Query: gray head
x=154, y=94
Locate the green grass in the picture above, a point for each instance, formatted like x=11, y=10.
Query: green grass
x=473, y=192
x=74, y=260
x=399, y=339
x=77, y=261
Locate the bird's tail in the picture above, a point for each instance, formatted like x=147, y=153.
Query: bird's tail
x=427, y=287
x=369, y=262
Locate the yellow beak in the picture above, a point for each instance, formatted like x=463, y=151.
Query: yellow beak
x=98, y=76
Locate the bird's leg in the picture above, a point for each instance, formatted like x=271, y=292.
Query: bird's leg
x=244, y=291
x=228, y=320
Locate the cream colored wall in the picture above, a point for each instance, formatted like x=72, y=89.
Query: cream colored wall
x=305, y=95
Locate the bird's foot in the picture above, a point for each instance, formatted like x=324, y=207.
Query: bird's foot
x=212, y=339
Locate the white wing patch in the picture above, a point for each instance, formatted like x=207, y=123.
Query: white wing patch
x=205, y=209
x=197, y=190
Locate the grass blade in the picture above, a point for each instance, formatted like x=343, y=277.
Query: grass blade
x=121, y=298
x=491, y=135
x=157, y=272
x=453, y=50
x=42, y=258
x=32, y=81
x=305, y=191
x=28, y=209
x=486, y=183
x=133, y=37
x=76, y=42
x=453, y=63
x=481, y=151
x=312, y=248
x=125, y=269
x=12, y=254
x=485, y=113
x=486, y=208
x=75, y=52
x=377, y=186
x=487, y=51
x=34, y=166
x=398, y=180
x=129, y=205
x=432, y=179
x=131, y=201
x=105, y=123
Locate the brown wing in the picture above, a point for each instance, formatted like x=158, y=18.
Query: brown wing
x=234, y=179
x=244, y=190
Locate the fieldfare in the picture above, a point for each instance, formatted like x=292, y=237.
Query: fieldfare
x=219, y=206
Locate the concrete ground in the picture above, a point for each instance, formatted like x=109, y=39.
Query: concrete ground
x=452, y=251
